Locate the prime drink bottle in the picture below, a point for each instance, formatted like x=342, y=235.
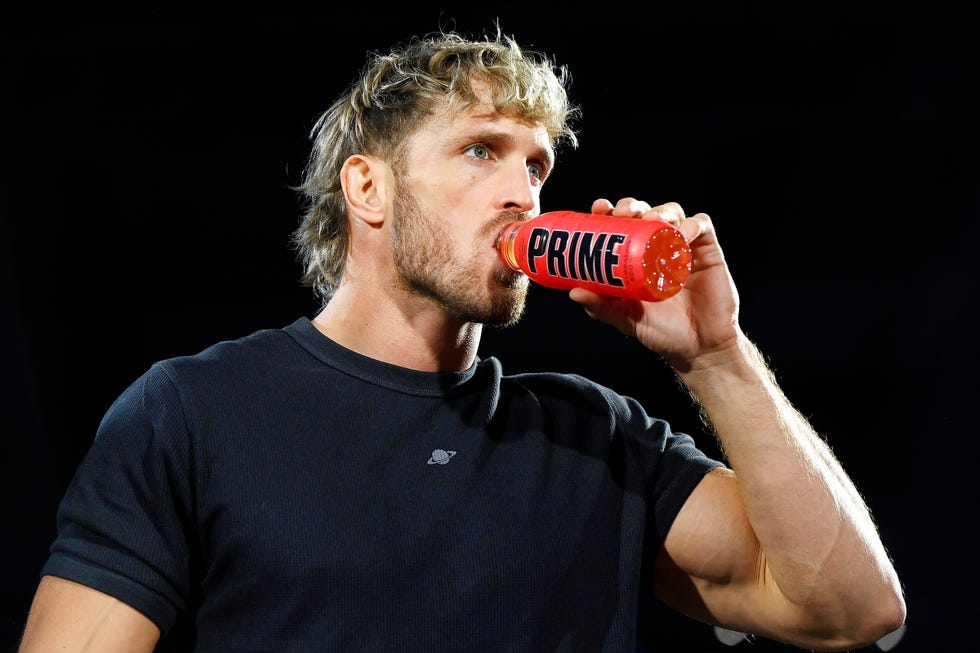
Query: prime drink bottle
x=633, y=258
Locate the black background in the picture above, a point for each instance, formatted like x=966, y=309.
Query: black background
x=146, y=213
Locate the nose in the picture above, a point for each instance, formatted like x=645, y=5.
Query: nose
x=519, y=191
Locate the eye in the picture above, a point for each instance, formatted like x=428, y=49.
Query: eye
x=478, y=151
x=536, y=170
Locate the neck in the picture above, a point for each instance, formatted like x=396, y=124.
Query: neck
x=419, y=336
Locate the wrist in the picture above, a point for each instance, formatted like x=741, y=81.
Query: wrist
x=737, y=360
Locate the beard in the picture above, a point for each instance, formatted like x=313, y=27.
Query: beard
x=426, y=265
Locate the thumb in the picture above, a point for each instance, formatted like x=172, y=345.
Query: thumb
x=623, y=314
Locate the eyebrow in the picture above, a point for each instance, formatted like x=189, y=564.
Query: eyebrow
x=498, y=137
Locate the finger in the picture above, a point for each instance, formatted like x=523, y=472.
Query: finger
x=631, y=207
x=620, y=313
x=671, y=213
x=696, y=226
x=602, y=206
x=594, y=304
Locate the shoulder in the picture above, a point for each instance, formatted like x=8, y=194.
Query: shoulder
x=576, y=393
x=170, y=386
x=263, y=345
x=229, y=361
x=578, y=404
x=574, y=407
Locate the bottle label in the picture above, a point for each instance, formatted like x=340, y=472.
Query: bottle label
x=647, y=260
x=579, y=255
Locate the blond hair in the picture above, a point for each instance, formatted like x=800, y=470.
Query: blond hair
x=394, y=95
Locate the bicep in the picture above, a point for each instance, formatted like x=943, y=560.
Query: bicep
x=711, y=566
x=68, y=616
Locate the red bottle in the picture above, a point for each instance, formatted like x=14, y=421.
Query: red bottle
x=622, y=257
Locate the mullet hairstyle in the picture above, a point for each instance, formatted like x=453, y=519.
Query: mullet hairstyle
x=393, y=96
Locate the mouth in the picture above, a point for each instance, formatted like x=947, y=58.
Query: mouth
x=505, y=241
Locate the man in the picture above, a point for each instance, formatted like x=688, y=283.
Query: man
x=365, y=481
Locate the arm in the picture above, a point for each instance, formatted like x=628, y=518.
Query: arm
x=782, y=544
x=69, y=617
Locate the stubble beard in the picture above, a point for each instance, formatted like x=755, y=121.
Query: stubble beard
x=425, y=264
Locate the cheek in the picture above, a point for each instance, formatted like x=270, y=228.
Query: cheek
x=439, y=199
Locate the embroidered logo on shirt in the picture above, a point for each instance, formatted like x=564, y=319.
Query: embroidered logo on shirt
x=441, y=456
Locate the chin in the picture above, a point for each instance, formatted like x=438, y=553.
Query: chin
x=508, y=308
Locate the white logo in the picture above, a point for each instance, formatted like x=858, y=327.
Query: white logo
x=441, y=457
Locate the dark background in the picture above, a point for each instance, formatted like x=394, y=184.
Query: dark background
x=146, y=213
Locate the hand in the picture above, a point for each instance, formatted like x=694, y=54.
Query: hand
x=702, y=319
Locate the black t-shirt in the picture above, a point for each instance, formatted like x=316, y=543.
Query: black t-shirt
x=282, y=493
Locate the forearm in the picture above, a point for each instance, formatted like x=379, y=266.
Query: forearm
x=817, y=537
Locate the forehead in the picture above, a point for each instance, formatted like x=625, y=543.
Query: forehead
x=482, y=114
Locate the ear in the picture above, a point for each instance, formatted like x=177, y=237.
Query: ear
x=364, y=180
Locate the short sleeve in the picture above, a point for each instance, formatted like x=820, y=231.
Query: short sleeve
x=670, y=461
x=123, y=522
